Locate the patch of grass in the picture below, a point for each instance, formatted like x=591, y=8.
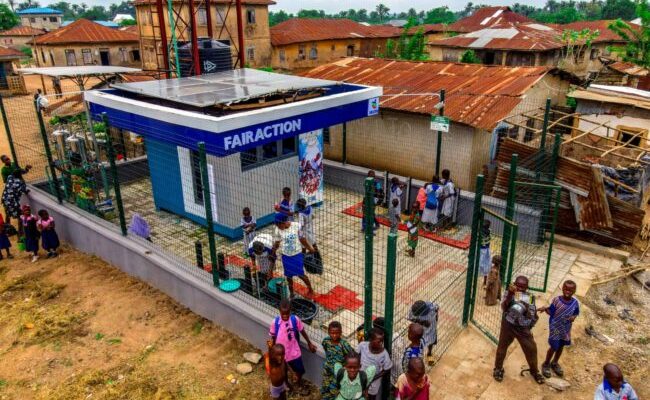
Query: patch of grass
x=3, y=383
x=114, y=341
x=643, y=340
x=197, y=327
x=99, y=336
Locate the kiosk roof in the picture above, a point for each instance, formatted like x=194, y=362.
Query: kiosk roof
x=225, y=87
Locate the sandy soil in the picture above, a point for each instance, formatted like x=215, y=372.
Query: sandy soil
x=77, y=328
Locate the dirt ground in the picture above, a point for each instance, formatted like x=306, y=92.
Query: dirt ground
x=77, y=328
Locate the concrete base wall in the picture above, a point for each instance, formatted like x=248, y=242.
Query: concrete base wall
x=184, y=283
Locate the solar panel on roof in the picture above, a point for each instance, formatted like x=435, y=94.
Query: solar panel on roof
x=223, y=87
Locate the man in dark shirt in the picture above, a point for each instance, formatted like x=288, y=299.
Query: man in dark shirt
x=519, y=317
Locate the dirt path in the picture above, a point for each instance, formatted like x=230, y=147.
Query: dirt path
x=73, y=327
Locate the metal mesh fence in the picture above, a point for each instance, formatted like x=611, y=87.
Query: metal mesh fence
x=167, y=192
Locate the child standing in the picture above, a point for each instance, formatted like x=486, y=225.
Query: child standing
x=485, y=260
x=396, y=190
x=285, y=330
x=372, y=353
x=335, y=350
x=287, y=239
x=416, y=345
x=5, y=244
x=248, y=225
x=493, y=288
x=414, y=383
x=430, y=212
x=306, y=224
x=351, y=380
x=29, y=230
x=285, y=206
x=562, y=311
x=447, y=197
x=278, y=373
x=425, y=313
x=49, y=238
x=413, y=227
x=394, y=215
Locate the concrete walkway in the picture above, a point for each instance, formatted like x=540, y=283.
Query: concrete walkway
x=465, y=371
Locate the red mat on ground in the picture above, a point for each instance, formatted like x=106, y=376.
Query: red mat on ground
x=405, y=294
x=356, y=211
x=339, y=297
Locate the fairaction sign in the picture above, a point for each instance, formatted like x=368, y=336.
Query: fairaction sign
x=439, y=123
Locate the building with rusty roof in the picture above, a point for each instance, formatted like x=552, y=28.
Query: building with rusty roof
x=303, y=43
x=508, y=44
x=19, y=36
x=399, y=140
x=590, y=61
x=223, y=19
x=487, y=17
x=85, y=42
x=10, y=82
x=620, y=73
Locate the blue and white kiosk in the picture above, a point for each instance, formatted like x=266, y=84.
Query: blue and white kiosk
x=262, y=131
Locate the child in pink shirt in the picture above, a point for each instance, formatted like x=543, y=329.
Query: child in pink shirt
x=285, y=330
x=414, y=383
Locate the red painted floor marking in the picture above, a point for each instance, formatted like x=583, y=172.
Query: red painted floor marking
x=356, y=211
x=404, y=295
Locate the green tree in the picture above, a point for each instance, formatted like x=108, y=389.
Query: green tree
x=409, y=46
x=623, y=9
x=439, y=15
x=277, y=17
x=362, y=15
x=470, y=57
x=382, y=11
x=637, y=48
x=311, y=14
x=128, y=22
x=95, y=13
x=7, y=18
x=26, y=50
x=576, y=44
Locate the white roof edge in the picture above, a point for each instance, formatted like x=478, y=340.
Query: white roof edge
x=229, y=122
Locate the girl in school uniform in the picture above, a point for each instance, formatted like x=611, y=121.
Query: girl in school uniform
x=49, y=238
x=29, y=230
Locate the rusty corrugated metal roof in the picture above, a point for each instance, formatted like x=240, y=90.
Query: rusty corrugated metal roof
x=8, y=53
x=22, y=31
x=85, y=31
x=584, y=204
x=301, y=30
x=486, y=17
x=521, y=37
x=628, y=68
x=602, y=26
x=198, y=2
x=477, y=95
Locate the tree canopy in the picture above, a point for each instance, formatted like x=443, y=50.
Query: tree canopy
x=637, y=49
x=7, y=18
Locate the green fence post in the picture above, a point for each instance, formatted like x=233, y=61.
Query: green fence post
x=205, y=182
x=439, y=134
x=8, y=131
x=389, y=306
x=510, y=213
x=514, y=229
x=48, y=152
x=552, y=237
x=476, y=232
x=369, y=219
x=344, y=156
x=123, y=145
x=116, y=178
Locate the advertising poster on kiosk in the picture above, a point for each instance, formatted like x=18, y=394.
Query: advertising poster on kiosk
x=310, y=154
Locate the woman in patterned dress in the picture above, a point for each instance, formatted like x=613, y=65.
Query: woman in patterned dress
x=335, y=350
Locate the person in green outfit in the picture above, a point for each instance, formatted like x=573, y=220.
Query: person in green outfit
x=8, y=168
x=413, y=227
x=351, y=381
x=335, y=349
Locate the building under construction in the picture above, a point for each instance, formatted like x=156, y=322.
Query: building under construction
x=241, y=24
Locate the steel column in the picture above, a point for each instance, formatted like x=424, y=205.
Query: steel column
x=369, y=216
x=510, y=213
x=162, y=28
x=116, y=179
x=240, y=35
x=471, y=259
x=48, y=152
x=439, y=134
